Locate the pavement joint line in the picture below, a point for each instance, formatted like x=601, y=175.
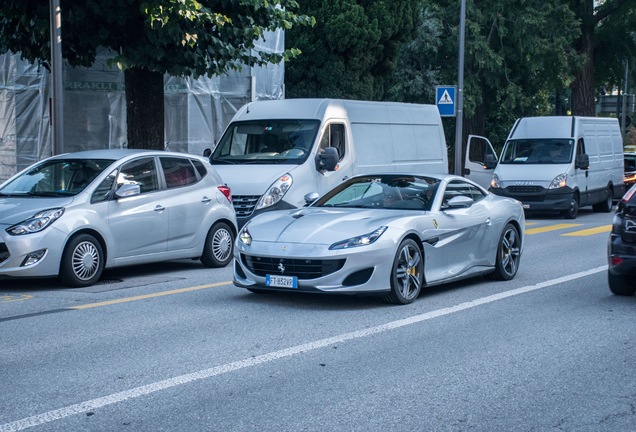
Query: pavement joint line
x=93, y=404
x=111, y=302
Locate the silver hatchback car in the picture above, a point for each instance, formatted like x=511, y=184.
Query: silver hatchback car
x=73, y=215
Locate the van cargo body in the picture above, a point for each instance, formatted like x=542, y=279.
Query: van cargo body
x=561, y=164
x=273, y=153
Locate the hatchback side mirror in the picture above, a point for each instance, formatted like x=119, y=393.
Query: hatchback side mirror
x=582, y=161
x=491, y=161
x=128, y=190
x=327, y=161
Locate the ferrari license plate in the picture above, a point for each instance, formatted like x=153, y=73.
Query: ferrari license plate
x=282, y=281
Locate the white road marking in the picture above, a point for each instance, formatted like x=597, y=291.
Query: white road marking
x=91, y=405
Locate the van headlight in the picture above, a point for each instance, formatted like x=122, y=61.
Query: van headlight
x=276, y=192
x=36, y=223
x=559, y=181
x=495, y=181
x=362, y=240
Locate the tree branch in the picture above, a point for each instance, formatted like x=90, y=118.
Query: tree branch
x=607, y=11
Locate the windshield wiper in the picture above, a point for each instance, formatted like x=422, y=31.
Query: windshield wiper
x=49, y=194
x=231, y=162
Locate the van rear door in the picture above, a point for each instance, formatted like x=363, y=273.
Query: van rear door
x=475, y=166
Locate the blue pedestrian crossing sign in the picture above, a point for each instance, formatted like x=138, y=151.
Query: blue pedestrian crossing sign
x=445, y=100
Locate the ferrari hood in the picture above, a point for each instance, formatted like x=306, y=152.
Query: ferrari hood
x=15, y=210
x=251, y=179
x=318, y=225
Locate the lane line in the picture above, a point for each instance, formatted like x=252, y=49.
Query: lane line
x=590, y=231
x=112, y=302
x=147, y=296
x=550, y=228
x=531, y=223
x=93, y=404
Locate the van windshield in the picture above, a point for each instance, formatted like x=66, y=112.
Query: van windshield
x=266, y=142
x=538, y=151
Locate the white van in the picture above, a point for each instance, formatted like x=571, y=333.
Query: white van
x=273, y=153
x=561, y=163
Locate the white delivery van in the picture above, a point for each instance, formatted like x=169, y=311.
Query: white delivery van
x=561, y=163
x=273, y=153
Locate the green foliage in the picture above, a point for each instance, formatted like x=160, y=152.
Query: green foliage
x=178, y=37
x=351, y=51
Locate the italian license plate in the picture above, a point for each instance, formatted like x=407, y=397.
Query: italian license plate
x=282, y=281
x=526, y=206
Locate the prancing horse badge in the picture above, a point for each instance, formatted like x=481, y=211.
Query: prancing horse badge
x=435, y=223
x=284, y=247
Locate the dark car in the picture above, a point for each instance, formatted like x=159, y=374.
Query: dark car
x=621, y=274
x=629, y=178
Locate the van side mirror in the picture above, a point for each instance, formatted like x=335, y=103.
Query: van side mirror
x=127, y=190
x=582, y=161
x=328, y=160
x=207, y=152
x=491, y=161
x=311, y=197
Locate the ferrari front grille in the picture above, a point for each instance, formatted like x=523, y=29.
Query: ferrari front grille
x=301, y=268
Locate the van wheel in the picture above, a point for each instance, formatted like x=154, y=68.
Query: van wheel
x=573, y=211
x=621, y=285
x=218, y=246
x=605, y=206
x=82, y=262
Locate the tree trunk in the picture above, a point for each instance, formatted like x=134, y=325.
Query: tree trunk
x=583, y=85
x=144, y=109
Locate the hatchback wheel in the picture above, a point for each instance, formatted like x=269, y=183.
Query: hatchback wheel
x=407, y=275
x=219, y=246
x=508, y=255
x=82, y=262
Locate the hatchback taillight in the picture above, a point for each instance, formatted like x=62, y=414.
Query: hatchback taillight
x=227, y=192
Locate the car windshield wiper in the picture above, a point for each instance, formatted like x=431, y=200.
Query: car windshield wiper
x=227, y=161
x=49, y=194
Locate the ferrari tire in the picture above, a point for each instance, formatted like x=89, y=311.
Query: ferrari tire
x=508, y=255
x=621, y=285
x=407, y=274
x=82, y=262
x=218, y=248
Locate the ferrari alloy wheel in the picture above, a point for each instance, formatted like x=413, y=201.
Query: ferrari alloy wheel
x=82, y=262
x=218, y=246
x=407, y=274
x=508, y=255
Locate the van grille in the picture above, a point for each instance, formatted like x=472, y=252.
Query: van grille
x=301, y=268
x=526, y=189
x=4, y=252
x=244, y=204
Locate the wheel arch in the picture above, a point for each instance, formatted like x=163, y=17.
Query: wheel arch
x=94, y=233
x=229, y=223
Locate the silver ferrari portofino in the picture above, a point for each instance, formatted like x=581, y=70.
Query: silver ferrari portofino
x=386, y=234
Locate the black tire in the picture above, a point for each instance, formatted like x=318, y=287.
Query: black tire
x=605, y=206
x=407, y=275
x=508, y=255
x=260, y=291
x=82, y=262
x=573, y=211
x=620, y=284
x=219, y=246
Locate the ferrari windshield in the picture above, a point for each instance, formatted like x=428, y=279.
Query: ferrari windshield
x=57, y=177
x=266, y=142
x=538, y=151
x=383, y=191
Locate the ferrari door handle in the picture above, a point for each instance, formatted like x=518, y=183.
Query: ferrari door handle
x=159, y=208
x=206, y=200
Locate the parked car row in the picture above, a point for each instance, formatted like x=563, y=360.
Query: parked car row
x=358, y=200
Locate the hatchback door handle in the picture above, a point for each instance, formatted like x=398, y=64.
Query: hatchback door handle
x=159, y=208
x=206, y=199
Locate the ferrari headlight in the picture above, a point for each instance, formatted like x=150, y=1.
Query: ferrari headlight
x=362, y=240
x=36, y=223
x=244, y=236
x=276, y=192
x=559, y=181
x=495, y=181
